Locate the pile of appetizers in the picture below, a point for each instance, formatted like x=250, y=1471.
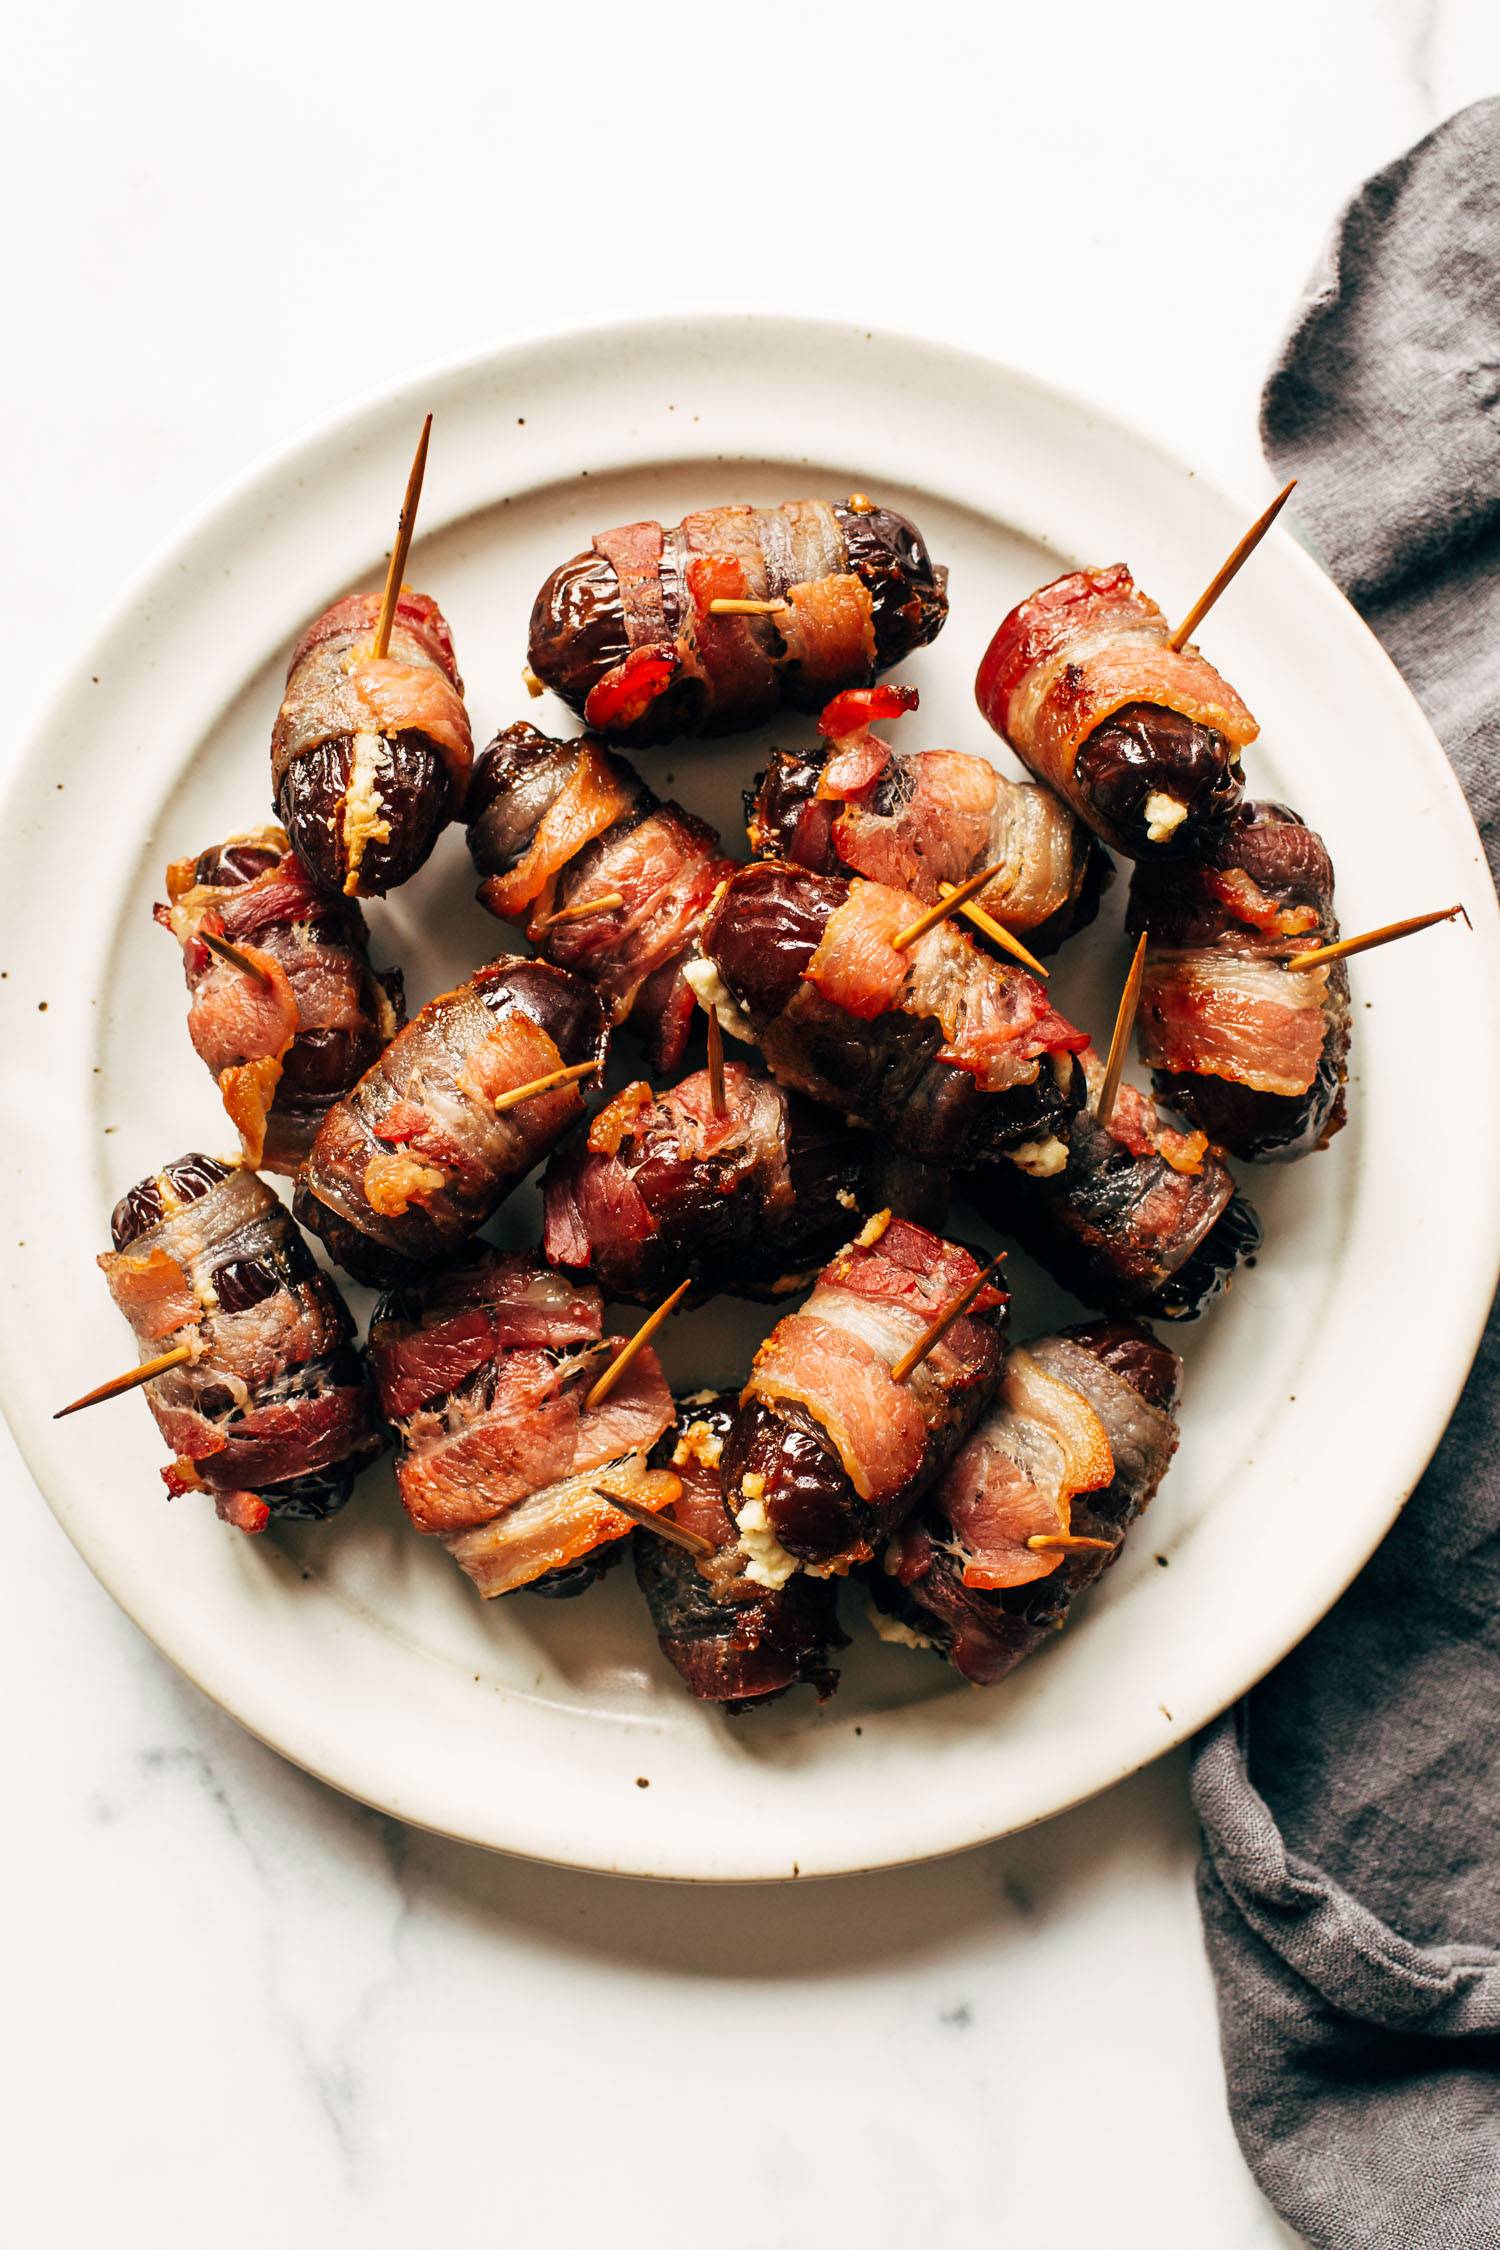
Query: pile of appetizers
x=846, y=1021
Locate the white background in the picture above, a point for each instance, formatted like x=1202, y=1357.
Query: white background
x=236, y=2005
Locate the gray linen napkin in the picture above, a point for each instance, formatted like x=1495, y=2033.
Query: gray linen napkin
x=1350, y=1885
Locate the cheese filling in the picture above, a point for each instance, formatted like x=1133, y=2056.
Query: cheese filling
x=1164, y=816
x=895, y=1629
x=767, y=1562
x=715, y=999
x=1041, y=1160
x=364, y=807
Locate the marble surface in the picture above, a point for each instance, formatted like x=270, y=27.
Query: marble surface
x=236, y=2002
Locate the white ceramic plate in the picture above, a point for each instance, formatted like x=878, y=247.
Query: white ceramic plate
x=1314, y=1396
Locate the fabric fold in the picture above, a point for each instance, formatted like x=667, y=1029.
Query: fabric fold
x=1350, y=1885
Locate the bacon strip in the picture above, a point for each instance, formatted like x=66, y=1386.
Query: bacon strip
x=920, y=821
x=996, y=1019
x=1218, y=1000
x=273, y=1392
x=417, y=1156
x=598, y=791
x=483, y=1375
x=553, y=828
x=1017, y=1476
x=1234, y=1017
x=746, y=1198
x=1082, y=648
x=286, y=1043
x=834, y=1357
x=1074, y=1449
x=337, y=686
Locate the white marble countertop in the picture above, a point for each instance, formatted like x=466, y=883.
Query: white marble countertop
x=236, y=2004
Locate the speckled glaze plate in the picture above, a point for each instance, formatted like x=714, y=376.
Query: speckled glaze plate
x=1314, y=1396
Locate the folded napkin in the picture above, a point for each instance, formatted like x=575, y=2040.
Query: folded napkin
x=1351, y=1806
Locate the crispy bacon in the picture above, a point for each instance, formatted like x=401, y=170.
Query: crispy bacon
x=809, y=961
x=417, y=1156
x=1241, y=1018
x=337, y=686
x=1081, y=649
x=289, y=1040
x=272, y=1412
x=750, y=1198
x=829, y=1450
x=953, y=1055
x=920, y=821
x=628, y=633
x=732, y=1640
x=1019, y=1474
x=1074, y=1448
x=598, y=790
x=484, y=1371
x=554, y=826
x=1252, y=1051
x=1132, y=1217
x=1090, y=652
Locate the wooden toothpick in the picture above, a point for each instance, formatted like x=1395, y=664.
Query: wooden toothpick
x=958, y=896
x=604, y=904
x=642, y=1336
x=678, y=1533
x=730, y=605
x=119, y=1383
x=939, y=1328
x=716, y=1063
x=567, y=1076
x=1386, y=935
x=405, y=526
x=1229, y=566
x=1042, y=1540
x=1119, y=1043
x=973, y=912
x=233, y=955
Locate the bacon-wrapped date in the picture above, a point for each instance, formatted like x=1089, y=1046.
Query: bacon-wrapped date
x=1134, y=1216
x=625, y=632
x=416, y=1158
x=753, y=1198
x=855, y=806
x=272, y=1415
x=949, y=1054
x=370, y=754
x=1141, y=739
x=288, y=1042
x=1255, y=1053
x=1079, y=1438
x=732, y=1640
x=555, y=825
x=483, y=1370
x=829, y=1451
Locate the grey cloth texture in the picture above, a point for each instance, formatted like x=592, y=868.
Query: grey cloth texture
x=1350, y=1807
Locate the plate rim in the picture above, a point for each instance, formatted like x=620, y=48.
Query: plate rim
x=159, y=571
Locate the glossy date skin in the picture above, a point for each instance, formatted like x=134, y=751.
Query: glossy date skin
x=238, y=1284
x=414, y=791
x=578, y=630
x=1145, y=748
x=745, y=1651
x=1289, y=862
x=761, y=938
